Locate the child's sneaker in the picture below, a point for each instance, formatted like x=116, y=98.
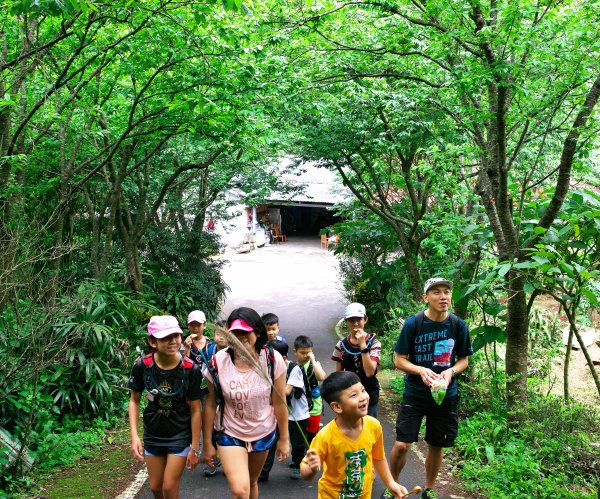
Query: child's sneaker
x=295, y=474
x=429, y=494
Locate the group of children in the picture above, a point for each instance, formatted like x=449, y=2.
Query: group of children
x=250, y=402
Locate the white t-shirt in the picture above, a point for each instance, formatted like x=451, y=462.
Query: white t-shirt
x=299, y=407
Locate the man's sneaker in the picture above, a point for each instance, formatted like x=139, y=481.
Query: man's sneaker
x=386, y=494
x=295, y=474
x=212, y=470
x=429, y=494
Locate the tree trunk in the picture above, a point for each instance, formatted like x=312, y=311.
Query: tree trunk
x=517, y=343
x=566, y=369
x=413, y=274
x=573, y=329
x=586, y=354
x=133, y=271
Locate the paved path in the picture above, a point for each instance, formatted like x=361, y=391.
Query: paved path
x=300, y=283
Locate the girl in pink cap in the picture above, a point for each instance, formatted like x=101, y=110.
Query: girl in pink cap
x=251, y=407
x=172, y=418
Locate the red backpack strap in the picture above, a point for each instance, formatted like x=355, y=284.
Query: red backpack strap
x=148, y=360
x=187, y=362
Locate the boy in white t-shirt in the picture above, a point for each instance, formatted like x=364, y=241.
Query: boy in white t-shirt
x=298, y=413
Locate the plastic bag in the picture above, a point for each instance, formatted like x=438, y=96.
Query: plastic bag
x=438, y=390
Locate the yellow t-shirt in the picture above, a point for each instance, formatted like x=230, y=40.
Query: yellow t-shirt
x=348, y=464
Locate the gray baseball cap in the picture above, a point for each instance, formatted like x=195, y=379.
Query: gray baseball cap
x=434, y=281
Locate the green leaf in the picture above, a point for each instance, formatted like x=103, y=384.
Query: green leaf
x=503, y=269
x=591, y=296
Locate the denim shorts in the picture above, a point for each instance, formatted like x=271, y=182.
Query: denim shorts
x=155, y=450
x=260, y=445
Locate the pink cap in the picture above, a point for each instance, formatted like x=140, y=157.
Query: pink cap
x=161, y=326
x=240, y=325
x=198, y=316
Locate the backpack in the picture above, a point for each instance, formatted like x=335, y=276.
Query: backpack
x=213, y=369
x=210, y=348
x=151, y=382
x=298, y=392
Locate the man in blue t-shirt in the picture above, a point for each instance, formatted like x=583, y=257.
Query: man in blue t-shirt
x=433, y=346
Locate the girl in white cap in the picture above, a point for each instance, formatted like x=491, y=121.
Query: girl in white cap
x=197, y=346
x=359, y=352
x=172, y=418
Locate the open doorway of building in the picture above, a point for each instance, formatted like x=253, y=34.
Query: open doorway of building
x=306, y=220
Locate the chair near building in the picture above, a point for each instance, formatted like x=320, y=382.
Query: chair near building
x=324, y=241
x=278, y=236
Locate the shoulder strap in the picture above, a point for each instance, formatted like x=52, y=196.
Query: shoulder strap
x=454, y=322
x=311, y=376
x=307, y=389
x=290, y=367
x=213, y=369
x=210, y=349
x=419, y=322
x=187, y=362
x=269, y=353
x=148, y=359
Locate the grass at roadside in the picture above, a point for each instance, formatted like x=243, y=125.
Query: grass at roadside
x=554, y=453
x=104, y=471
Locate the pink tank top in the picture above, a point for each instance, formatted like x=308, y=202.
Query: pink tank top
x=249, y=413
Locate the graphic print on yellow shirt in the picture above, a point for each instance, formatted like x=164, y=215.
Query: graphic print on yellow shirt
x=347, y=463
x=353, y=484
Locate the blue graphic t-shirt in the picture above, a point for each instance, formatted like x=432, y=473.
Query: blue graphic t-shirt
x=436, y=347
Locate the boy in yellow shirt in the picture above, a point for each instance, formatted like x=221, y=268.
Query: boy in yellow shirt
x=350, y=446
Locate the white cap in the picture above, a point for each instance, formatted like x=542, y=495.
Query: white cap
x=196, y=315
x=355, y=310
x=434, y=281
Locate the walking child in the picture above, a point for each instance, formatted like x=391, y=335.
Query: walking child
x=359, y=352
x=172, y=417
x=197, y=346
x=246, y=383
x=221, y=342
x=272, y=324
x=350, y=446
x=220, y=336
x=298, y=409
x=303, y=350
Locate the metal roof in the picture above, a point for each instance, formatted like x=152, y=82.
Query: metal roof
x=319, y=186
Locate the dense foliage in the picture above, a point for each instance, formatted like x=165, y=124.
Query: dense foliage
x=466, y=132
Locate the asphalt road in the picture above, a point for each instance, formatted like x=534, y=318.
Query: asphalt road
x=299, y=282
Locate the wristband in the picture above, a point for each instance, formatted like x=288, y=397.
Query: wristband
x=197, y=452
x=453, y=372
x=365, y=350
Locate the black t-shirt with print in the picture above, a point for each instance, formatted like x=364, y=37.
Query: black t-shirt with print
x=436, y=347
x=167, y=419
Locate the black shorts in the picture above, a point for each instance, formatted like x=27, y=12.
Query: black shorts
x=441, y=423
